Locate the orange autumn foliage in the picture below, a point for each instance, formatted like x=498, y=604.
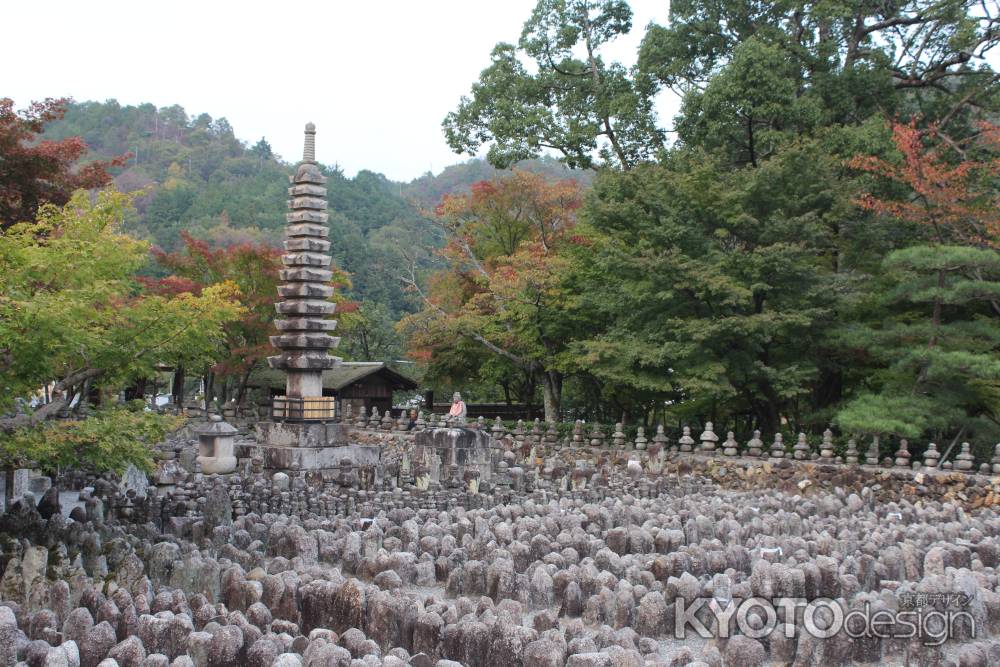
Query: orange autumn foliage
x=956, y=199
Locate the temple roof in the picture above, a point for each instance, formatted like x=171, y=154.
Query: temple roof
x=344, y=374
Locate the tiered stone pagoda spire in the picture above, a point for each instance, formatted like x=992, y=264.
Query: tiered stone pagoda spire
x=306, y=288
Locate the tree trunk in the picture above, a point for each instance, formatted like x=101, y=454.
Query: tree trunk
x=178, y=390
x=527, y=394
x=241, y=390
x=137, y=390
x=84, y=397
x=209, y=380
x=935, y=326
x=552, y=395
x=365, y=347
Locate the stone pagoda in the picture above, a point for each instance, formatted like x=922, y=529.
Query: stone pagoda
x=306, y=289
x=302, y=433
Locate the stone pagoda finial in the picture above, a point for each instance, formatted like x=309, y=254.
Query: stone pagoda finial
x=309, y=150
x=304, y=340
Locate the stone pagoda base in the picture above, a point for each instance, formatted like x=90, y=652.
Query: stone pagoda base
x=306, y=446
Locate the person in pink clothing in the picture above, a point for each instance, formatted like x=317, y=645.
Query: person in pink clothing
x=458, y=409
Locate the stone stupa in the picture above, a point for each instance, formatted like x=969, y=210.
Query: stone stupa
x=306, y=289
x=303, y=432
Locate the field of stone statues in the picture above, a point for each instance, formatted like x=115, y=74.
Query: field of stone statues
x=562, y=555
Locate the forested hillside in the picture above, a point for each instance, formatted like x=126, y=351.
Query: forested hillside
x=198, y=176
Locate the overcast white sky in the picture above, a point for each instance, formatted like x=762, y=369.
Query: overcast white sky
x=377, y=77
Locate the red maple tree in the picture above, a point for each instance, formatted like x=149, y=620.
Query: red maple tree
x=950, y=188
x=254, y=268
x=34, y=170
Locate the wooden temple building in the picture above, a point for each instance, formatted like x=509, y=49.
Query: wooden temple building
x=359, y=383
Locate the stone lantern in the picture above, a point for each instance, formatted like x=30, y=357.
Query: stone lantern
x=215, y=447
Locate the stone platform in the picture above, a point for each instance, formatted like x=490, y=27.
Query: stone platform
x=311, y=446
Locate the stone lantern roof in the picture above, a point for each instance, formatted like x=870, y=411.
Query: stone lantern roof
x=216, y=427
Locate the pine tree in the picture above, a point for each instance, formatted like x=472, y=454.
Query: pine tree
x=938, y=351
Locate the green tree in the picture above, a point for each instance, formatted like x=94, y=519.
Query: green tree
x=502, y=285
x=705, y=285
x=748, y=68
x=370, y=335
x=568, y=100
x=936, y=354
x=111, y=439
x=72, y=313
x=254, y=271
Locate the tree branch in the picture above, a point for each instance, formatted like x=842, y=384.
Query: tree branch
x=11, y=424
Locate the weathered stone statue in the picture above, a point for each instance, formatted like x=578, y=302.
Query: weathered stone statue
x=596, y=436
x=618, y=437
x=708, y=438
x=932, y=456
x=660, y=438
x=536, y=432
x=826, y=447
x=852, y=456
x=730, y=446
x=640, y=439
x=871, y=457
